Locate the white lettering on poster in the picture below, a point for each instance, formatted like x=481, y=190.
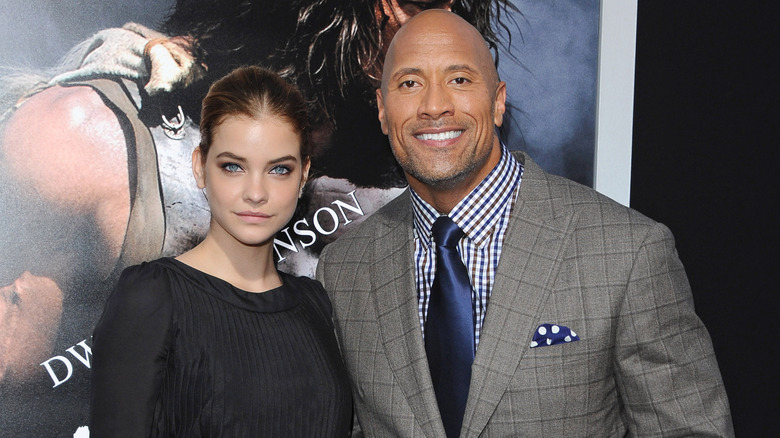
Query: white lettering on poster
x=68, y=367
x=59, y=365
x=325, y=221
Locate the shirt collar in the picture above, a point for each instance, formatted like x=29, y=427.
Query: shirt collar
x=478, y=213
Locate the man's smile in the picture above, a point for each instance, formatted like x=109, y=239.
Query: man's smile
x=439, y=136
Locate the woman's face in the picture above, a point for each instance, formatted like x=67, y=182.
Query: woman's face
x=252, y=178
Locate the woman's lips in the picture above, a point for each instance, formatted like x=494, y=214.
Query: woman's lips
x=253, y=217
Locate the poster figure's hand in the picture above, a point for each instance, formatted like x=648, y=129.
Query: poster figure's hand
x=30, y=313
x=134, y=52
x=115, y=52
x=173, y=64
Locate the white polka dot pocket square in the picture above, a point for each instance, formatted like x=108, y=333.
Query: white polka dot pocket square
x=551, y=334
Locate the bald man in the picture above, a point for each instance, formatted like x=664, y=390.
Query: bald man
x=579, y=321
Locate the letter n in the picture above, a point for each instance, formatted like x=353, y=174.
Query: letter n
x=289, y=244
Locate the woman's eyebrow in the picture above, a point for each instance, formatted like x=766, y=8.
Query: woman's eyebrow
x=284, y=158
x=231, y=156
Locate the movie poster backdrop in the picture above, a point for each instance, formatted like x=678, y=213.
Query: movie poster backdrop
x=83, y=195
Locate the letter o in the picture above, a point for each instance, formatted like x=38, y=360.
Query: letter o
x=332, y=215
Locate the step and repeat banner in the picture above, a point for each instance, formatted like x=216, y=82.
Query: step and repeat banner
x=100, y=105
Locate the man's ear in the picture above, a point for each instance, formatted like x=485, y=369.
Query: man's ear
x=380, y=106
x=499, y=105
x=198, y=168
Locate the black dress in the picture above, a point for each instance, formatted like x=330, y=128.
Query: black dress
x=179, y=352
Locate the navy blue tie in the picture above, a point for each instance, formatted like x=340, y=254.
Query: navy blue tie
x=449, y=327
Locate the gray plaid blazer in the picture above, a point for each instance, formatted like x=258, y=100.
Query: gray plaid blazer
x=644, y=364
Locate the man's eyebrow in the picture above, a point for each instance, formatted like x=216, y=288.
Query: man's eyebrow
x=405, y=71
x=449, y=69
x=461, y=67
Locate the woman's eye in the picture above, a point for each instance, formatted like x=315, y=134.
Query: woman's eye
x=280, y=170
x=231, y=167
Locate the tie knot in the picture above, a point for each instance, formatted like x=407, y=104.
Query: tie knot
x=446, y=233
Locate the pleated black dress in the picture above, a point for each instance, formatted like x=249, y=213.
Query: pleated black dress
x=181, y=353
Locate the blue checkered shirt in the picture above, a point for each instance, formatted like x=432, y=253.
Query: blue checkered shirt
x=483, y=216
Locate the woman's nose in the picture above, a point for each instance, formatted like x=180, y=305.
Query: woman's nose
x=255, y=190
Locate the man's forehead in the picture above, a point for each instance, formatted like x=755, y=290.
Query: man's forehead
x=428, y=36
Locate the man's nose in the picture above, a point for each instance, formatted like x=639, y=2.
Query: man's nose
x=436, y=102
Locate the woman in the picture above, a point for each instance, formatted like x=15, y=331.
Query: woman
x=217, y=342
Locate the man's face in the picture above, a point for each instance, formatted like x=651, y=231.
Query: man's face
x=440, y=102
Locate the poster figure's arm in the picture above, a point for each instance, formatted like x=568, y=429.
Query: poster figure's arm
x=64, y=209
x=134, y=52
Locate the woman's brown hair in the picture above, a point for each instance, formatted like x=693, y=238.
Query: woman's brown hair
x=253, y=92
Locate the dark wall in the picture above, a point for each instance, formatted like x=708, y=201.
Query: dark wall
x=705, y=160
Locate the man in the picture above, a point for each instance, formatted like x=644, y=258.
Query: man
x=581, y=317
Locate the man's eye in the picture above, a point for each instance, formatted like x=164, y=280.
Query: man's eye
x=280, y=170
x=408, y=84
x=231, y=167
x=460, y=81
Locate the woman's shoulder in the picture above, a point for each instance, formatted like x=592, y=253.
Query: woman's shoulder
x=139, y=310
x=158, y=270
x=299, y=281
x=311, y=288
x=146, y=283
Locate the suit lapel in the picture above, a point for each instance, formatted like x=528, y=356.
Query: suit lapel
x=529, y=261
x=395, y=298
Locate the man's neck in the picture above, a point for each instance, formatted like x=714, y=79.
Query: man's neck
x=446, y=195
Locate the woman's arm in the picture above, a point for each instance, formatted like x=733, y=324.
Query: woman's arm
x=130, y=350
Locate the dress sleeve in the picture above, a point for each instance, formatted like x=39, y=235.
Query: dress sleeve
x=130, y=347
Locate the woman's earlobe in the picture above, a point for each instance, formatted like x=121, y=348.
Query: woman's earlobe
x=304, y=176
x=198, y=168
